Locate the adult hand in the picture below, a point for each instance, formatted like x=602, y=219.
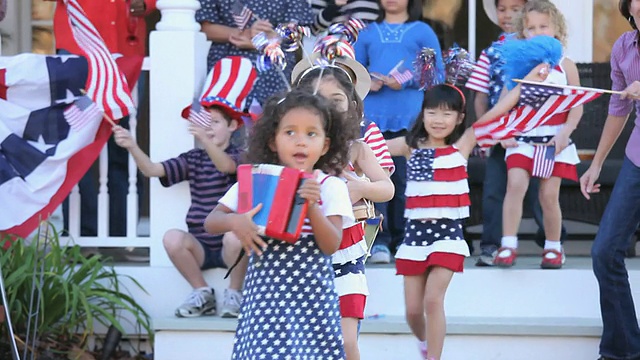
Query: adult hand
x=262, y=26
x=632, y=91
x=137, y=8
x=588, y=180
x=391, y=82
x=243, y=227
x=242, y=40
x=376, y=82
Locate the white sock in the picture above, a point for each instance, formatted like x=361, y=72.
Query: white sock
x=510, y=242
x=206, y=288
x=552, y=245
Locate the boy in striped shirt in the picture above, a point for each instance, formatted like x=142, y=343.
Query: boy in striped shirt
x=327, y=12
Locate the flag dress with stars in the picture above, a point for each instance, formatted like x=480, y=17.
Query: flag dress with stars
x=524, y=155
x=437, y=200
x=290, y=305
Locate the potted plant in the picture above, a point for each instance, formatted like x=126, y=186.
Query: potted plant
x=75, y=294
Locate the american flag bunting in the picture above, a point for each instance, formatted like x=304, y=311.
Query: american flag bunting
x=543, y=161
x=538, y=103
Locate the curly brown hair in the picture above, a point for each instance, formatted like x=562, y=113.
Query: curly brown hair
x=353, y=116
x=543, y=7
x=264, y=131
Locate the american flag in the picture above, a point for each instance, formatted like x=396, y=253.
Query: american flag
x=543, y=160
x=82, y=112
x=106, y=85
x=199, y=115
x=538, y=103
x=401, y=73
x=241, y=14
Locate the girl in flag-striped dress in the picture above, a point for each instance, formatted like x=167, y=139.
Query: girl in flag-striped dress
x=527, y=156
x=437, y=196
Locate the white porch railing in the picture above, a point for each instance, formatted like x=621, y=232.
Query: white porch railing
x=177, y=68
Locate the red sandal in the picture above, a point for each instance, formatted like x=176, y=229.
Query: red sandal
x=506, y=257
x=552, y=259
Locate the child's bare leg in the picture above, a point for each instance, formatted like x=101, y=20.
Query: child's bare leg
x=437, y=283
x=550, y=203
x=350, y=336
x=187, y=254
x=414, y=287
x=231, y=248
x=517, y=184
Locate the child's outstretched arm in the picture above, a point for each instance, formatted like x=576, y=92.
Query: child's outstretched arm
x=379, y=188
x=124, y=139
x=398, y=146
x=223, y=162
x=222, y=220
x=510, y=100
x=561, y=140
x=326, y=229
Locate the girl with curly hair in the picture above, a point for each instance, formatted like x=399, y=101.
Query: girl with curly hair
x=551, y=141
x=290, y=306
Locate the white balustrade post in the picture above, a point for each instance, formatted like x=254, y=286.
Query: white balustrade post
x=178, y=52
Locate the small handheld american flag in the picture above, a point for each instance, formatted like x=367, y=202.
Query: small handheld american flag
x=199, y=115
x=241, y=14
x=82, y=112
x=544, y=158
x=401, y=73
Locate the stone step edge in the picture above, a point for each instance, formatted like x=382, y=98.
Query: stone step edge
x=487, y=326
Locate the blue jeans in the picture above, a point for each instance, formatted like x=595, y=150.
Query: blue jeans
x=392, y=231
x=493, y=192
x=620, y=334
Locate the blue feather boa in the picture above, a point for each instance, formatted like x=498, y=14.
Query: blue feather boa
x=521, y=56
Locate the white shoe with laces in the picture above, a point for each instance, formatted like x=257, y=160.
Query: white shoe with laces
x=232, y=303
x=199, y=302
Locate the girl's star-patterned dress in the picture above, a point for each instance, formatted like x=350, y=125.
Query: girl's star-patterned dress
x=437, y=200
x=523, y=155
x=290, y=306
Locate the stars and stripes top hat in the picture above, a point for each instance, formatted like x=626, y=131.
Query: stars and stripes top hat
x=347, y=62
x=227, y=86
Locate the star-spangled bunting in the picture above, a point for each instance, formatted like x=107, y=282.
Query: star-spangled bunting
x=538, y=103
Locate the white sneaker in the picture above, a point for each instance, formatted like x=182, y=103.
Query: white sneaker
x=231, y=304
x=198, y=303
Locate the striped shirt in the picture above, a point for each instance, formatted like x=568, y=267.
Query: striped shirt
x=625, y=69
x=206, y=185
x=377, y=143
x=327, y=12
x=487, y=76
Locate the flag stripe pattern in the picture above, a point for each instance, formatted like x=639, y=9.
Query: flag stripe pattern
x=199, y=115
x=543, y=161
x=401, y=74
x=105, y=84
x=241, y=14
x=82, y=112
x=538, y=104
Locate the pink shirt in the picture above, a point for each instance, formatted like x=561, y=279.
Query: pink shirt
x=625, y=69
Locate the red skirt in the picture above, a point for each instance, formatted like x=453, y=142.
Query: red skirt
x=453, y=262
x=560, y=169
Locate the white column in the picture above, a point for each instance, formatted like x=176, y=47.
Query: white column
x=579, y=17
x=178, y=52
x=471, y=31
